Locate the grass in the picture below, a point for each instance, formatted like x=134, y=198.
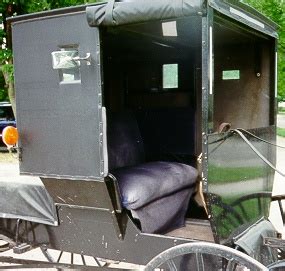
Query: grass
x=225, y=175
x=281, y=131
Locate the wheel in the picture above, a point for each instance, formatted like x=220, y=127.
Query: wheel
x=277, y=266
x=205, y=256
x=57, y=256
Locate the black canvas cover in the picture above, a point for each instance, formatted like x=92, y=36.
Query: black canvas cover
x=25, y=197
x=120, y=12
x=126, y=12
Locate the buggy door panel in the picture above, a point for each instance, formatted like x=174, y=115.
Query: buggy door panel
x=58, y=110
x=243, y=77
x=239, y=182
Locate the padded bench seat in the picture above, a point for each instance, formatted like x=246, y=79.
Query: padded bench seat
x=157, y=193
x=147, y=182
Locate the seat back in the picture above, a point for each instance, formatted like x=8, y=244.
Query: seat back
x=125, y=145
x=168, y=130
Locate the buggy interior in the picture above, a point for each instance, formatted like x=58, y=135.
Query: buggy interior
x=152, y=93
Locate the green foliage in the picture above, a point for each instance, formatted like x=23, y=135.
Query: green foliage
x=66, y=3
x=3, y=89
x=5, y=56
x=36, y=6
x=8, y=69
x=5, y=67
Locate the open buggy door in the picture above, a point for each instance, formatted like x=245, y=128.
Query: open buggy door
x=241, y=125
x=117, y=101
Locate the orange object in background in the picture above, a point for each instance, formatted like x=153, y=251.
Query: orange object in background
x=10, y=136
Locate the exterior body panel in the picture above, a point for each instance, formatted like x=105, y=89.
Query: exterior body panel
x=59, y=121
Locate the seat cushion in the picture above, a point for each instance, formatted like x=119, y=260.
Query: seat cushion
x=144, y=183
x=165, y=214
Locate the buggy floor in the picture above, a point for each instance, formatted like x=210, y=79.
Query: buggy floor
x=194, y=229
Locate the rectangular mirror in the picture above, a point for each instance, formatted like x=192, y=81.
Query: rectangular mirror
x=65, y=59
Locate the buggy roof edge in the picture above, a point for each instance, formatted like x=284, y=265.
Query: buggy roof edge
x=139, y=11
x=245, y=14
x=114, y=13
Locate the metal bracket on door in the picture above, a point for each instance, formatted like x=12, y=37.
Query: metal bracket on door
x=87, y=58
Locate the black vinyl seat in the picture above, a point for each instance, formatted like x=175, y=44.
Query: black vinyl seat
x=156, y=193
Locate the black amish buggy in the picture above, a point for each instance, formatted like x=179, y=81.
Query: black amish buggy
x=146, y=128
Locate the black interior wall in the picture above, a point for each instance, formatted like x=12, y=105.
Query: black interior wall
x=133, y=59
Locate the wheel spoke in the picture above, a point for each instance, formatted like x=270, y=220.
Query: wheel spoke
x=200, y=262
x=71, y=258
x=97, y=262
x=171, y=265
x=83, y=259
x=44, y=250
x=231, y=265
x=59, y=257
x=207, y=256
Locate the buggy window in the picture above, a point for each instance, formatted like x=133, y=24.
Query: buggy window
x=231, y=75
x=170, y=76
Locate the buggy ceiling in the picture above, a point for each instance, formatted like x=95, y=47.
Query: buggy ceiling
x=151, y=39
